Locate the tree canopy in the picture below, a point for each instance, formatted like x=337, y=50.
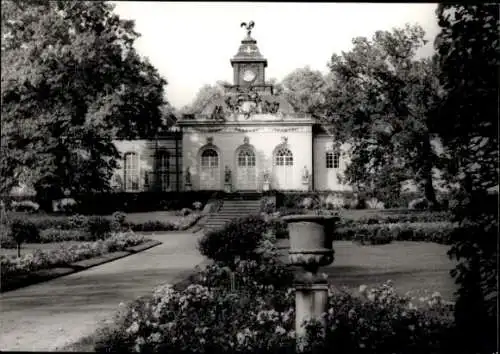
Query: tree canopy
x=467, y=121
x=305, y=89
x=382, y=103
x=71, y=82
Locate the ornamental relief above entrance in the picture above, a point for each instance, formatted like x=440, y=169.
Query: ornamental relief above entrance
x=246, y=130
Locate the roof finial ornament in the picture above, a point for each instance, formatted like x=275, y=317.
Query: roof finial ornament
x=248, y=27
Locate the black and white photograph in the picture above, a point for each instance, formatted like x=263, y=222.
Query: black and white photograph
x=249, y=177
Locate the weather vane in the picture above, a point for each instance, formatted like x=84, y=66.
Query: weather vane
x=248, y=27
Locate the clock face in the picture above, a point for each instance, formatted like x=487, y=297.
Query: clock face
x=248, y=75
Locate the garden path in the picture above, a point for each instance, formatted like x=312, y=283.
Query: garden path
x=51, y=315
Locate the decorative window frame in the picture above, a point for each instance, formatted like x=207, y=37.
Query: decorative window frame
x=332, y=159
x=162, y=169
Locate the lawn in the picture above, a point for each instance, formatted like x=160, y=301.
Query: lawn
x=416, y=267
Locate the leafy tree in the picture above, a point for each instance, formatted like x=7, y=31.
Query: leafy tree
x=382, y=103
x=205, y=95
x=71, y=83
x=305, y=89
x=277, y=86
x=469, y=50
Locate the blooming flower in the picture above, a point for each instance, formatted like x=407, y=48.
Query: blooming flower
x=133, y=329
x=279, y=330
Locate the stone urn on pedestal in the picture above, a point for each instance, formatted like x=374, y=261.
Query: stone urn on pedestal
x=311, y=247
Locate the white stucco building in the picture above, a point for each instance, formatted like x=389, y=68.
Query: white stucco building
x=250, y=140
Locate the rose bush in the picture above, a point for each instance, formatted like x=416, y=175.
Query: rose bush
x=203, y=318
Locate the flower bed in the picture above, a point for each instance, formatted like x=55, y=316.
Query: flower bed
x=203, y=319
x=12, y=266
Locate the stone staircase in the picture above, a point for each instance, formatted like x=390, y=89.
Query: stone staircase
x=234, y=206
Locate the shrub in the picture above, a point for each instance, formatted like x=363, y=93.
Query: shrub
x=24, y=230
x=279, y=228
x=98, y=227
x=203, y=319
x=237, y=239
x=58, y=235
x=150, y=226
x=380, y=321
x=25, y=205
x=268, y=205
x=374, y=203
x=65, y=205
x=185, y=212
x=187, y=221
x=76, y=221
x=418, y=204
x=6, y=240
x=334, y=201
x=291, y=211
x=119, y=217
x=199, y=320
x=438, y=232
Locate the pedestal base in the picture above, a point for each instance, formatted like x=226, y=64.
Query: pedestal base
x=227, y=188
x=310, y=303
x=265, y=186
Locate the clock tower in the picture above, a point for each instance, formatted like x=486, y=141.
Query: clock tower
x=248, y=64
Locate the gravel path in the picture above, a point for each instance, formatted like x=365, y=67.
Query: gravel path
x=51, y=315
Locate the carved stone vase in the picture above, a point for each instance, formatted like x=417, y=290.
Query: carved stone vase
x=310, y=248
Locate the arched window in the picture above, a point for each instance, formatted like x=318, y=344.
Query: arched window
x=131, y=171
x=283, y=157
x=246, y=158
x=163, y=169
x=209, y=159
x=332, y=159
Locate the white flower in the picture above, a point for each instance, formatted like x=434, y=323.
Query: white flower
x=154, y=337
x=279, y=330
x=240, y=337
x=134, y=328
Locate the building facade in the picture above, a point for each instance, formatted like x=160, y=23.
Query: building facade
x=249, y=140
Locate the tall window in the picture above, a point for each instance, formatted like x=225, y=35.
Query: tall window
x=163, y=169
x=209, y=158
x=131, y=171
x=332, y=159
x=284, y=157
x=246, y=158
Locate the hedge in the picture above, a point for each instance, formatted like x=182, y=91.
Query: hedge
x=438, y=232
x=107, y=203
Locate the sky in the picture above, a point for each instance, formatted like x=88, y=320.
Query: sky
x=191, y=43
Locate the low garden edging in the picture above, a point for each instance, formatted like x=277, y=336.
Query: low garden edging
x=43, y=265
